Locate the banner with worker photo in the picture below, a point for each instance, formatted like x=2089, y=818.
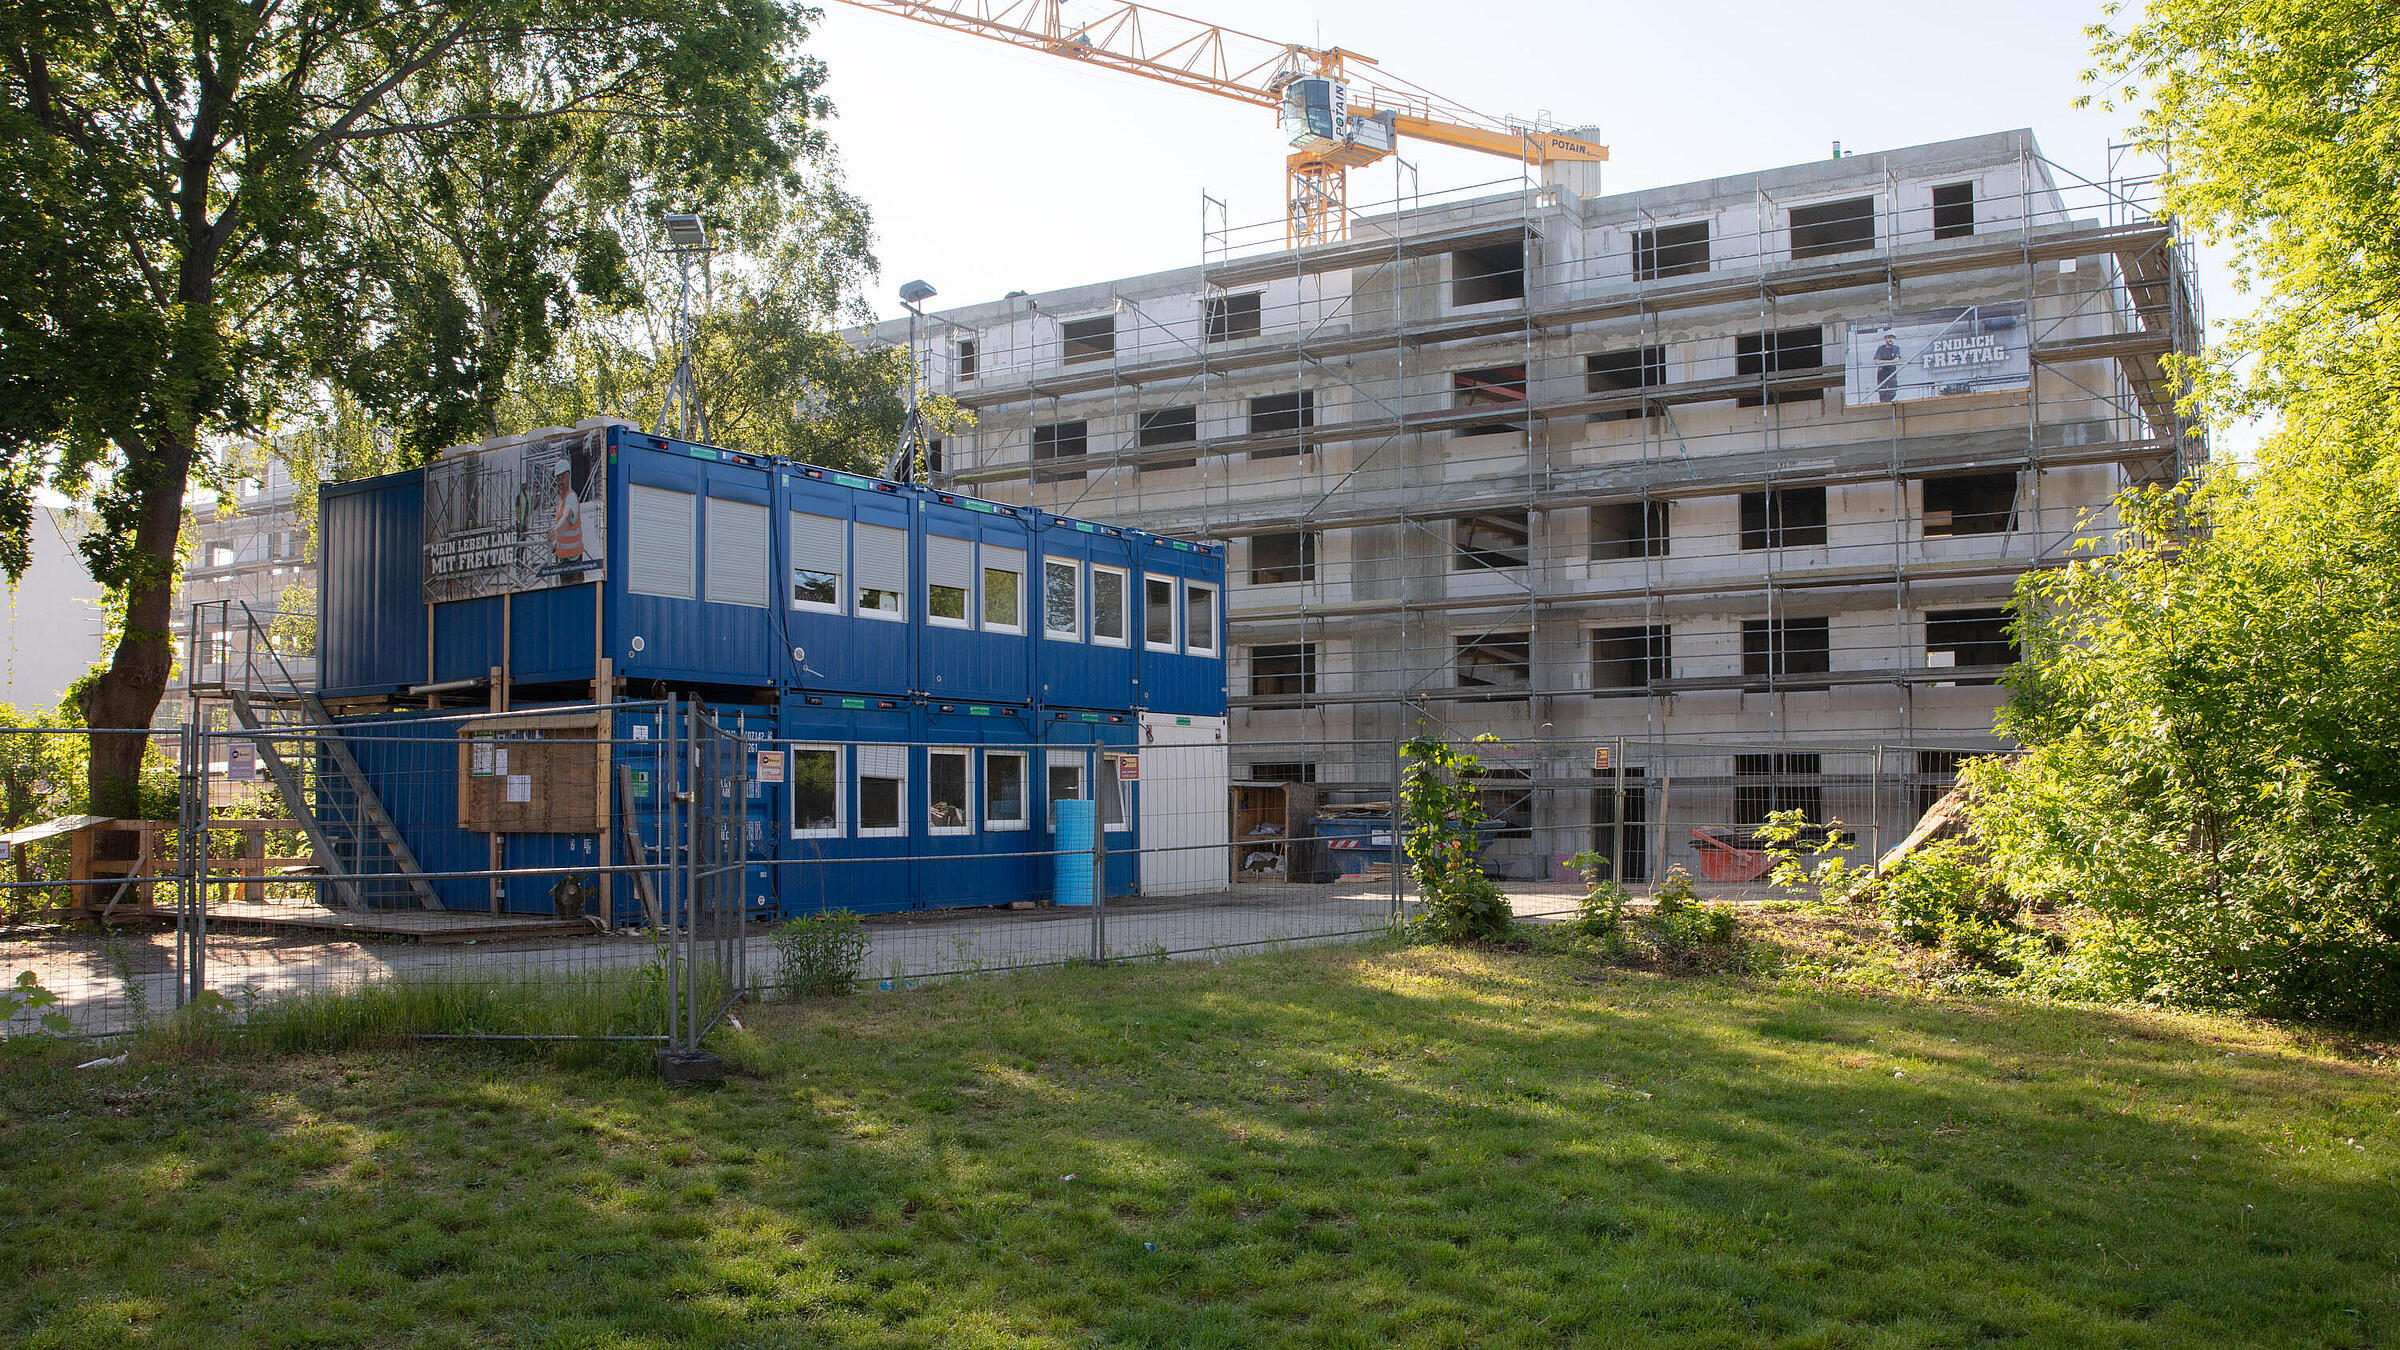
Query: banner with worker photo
x=1939, y=353
x=517, y=517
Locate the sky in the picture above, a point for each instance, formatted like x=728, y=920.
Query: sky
x=990, y=169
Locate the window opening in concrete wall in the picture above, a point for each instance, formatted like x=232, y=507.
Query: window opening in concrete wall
x=1499, y=662
x=1969, y=638
x=1629, y=530
x=1974, y=503
x=1779, y=353
x=1281, y=414
x=1507, y=809
x=816, y=790
x=1055, y=441
x=1625, y=372
x=1089, y=339
x=220, y=555
x=1826, y=228
x=1780, y=782
x=1287, y=556
x=1784, y=518
x=968, y=352
x=1779, y=648
x=1501, y=387
x=1282, y=669
x=1670, y=251
x=1495, y=540
x=1283, y=771
x=1232, y=317
x=1953, y=210
x=948, y=807
x=1479, y=276
x=1625, y=661
x=1168, y=426
x=933, y=454
x=1632, y=843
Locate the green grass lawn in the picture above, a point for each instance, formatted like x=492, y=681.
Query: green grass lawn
x=1352, y=1147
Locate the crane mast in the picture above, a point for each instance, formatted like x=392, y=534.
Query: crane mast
x=1338, y=110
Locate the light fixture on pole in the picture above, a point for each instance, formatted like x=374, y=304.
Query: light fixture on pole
x=903, y=465
x=687, y=240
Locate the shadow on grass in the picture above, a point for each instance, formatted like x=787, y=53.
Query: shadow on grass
x=1319, y=1148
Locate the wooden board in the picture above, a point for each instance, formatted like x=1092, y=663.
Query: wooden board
x=536, y=774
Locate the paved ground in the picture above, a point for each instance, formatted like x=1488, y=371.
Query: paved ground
x=107, y=984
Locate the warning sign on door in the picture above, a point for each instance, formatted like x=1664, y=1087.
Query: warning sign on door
x=770, y=766
x=1129, y=768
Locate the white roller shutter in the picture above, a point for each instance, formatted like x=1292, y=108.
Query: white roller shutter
x=882, y=561
x=817, y=544
x=659, y=541
x=737, y=553
x=950, y=562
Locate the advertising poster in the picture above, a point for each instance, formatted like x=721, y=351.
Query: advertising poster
x=1938, y=353
x=517, y=518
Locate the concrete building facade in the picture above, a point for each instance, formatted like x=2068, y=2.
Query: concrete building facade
x=1649, y=466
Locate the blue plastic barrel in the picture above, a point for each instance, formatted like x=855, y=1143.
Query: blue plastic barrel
x=1072, y=883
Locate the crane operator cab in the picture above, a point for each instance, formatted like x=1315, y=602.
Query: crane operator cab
x=1317, y=121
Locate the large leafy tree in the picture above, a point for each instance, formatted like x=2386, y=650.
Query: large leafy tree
x=2213, y=715
x=204, y=204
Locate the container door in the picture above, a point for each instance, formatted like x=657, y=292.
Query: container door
x=1181, y=806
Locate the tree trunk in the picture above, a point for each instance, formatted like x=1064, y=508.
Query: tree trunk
x=126, y=695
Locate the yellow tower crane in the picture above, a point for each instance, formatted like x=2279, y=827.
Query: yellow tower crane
x=1338, y=110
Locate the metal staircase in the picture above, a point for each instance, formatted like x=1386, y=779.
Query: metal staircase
x=367, y=864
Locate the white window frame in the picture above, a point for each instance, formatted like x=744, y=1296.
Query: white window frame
x=1023, y=821
x=791, y=780
x=967, y=620
x=859, y=775
x=1078, y=760
x=841, y=578
x=983, y=586
x=1075, y=572
x=858, y=581
x=1174, y=642
x=966, y=754
x=1124, y=578
x=1216, y=618
x=1108, y=770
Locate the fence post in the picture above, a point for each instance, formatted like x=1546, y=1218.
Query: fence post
x=692, y=827
x=1099, y=866
x=1399, y=905
x=1616, y=829
x=670, y=876
x=191, y=866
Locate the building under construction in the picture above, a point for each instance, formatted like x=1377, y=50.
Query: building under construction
x=1756, y=460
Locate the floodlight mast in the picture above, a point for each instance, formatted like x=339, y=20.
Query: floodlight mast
x=687, y=240
x=902, y=467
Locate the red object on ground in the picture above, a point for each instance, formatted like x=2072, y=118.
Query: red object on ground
x=1721, y=861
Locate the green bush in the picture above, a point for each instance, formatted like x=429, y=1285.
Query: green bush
x=822, y=953
x=1443, y=815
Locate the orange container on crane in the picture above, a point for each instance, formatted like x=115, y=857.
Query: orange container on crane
x=1338, y=110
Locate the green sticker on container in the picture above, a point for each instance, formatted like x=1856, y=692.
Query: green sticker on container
x=641, y=784
x=854, y=703
x=1091, y=717
x=973, y=505
x=1183, y=721
x=700, y=452
x=978, y=712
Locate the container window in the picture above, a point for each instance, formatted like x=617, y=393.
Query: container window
x=1110, y=791
x=882, y=789
x=948, y=809
x=1200, y=619
x=1003, y=589
x=1065, y=782
x=882, y=571
x=820, y=555
x=816, y=791
x=659, y=543
x=1004, y=790
x=949, y=580
x=1158, y=613
x=1062, y=598
x=1108, y=605
x=737, y=553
